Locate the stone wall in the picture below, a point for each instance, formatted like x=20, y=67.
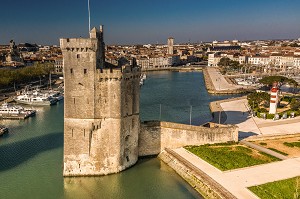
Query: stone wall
x=154, y=136
x=199, y=180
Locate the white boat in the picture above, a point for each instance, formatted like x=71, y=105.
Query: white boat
x=143, y=78
x=8, y=111
x=55, y=94
x=3, y=130
x=35, y=98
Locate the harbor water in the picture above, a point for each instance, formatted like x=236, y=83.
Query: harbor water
x=31, y=153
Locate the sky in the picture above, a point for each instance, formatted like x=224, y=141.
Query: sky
x=149, y=21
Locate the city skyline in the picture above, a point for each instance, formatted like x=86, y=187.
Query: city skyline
x=136, y=22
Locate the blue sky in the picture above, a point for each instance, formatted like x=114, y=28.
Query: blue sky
x=149, y=21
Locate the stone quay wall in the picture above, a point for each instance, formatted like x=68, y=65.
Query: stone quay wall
x=156, y=136
x=199, y=180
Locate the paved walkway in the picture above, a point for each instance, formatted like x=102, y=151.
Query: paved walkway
x=237, y=113
x=265, y=150
x=219, y=82
x=237, y=181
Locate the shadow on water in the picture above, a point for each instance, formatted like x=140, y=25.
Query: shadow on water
x=16, y=153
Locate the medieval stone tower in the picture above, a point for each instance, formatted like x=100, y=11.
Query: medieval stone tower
x=101, y=118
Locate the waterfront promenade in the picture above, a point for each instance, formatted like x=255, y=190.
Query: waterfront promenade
x=237, y=112
x=216, y=83
x=236, y=181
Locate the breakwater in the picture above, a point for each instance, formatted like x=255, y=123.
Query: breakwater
x=212, y=90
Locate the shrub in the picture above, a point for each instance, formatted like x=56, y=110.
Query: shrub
x=286, y=99
x=280, y=152
x=292, y=144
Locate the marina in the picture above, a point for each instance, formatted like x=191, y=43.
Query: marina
x=32, y=153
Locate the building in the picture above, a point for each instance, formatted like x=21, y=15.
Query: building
x=101, y=117
x=14, y=57
x=58, y=65
x=224, y=48
x=171, y=46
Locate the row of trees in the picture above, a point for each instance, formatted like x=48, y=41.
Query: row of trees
x=27, y=74
x=269, y=80
x=227, y=64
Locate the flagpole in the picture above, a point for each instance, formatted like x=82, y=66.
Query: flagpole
x=89, y=15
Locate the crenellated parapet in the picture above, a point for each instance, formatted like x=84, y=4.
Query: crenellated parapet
x=79, y=44
x=124, y=73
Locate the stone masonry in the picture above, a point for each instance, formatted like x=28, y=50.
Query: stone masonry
x=157, y=136
x=101, y=124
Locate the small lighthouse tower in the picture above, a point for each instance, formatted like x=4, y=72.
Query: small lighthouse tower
x=274, y=98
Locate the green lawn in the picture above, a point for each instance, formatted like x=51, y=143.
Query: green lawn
x=282, y=153
x=284, y=189
x=230, y=156
x=292, y=144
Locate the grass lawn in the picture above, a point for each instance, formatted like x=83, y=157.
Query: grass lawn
x=284, y=189
x=230, y=156
x=282, y=153
x=292, y=144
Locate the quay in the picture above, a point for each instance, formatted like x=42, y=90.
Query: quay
x=216, y=83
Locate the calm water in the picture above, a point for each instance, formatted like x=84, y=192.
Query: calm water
x=31, y=154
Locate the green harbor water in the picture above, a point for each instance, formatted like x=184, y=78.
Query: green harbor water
x=31, y=154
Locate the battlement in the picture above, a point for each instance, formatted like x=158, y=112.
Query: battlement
x=78, y=44
x=126, y=72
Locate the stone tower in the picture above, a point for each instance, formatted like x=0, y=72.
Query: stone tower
x=170, y=46
x=101, y=113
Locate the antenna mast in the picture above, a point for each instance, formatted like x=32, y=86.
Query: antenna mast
x=89, y=15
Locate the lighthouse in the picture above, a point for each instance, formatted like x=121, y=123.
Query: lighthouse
x=274, y=98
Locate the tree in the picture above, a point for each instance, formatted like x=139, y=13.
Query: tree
x=279, y=79
x=295, y=104
x=294, y=45
x=257, y=99
x=227, y=64
x=24, y=75
x=224, y=61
